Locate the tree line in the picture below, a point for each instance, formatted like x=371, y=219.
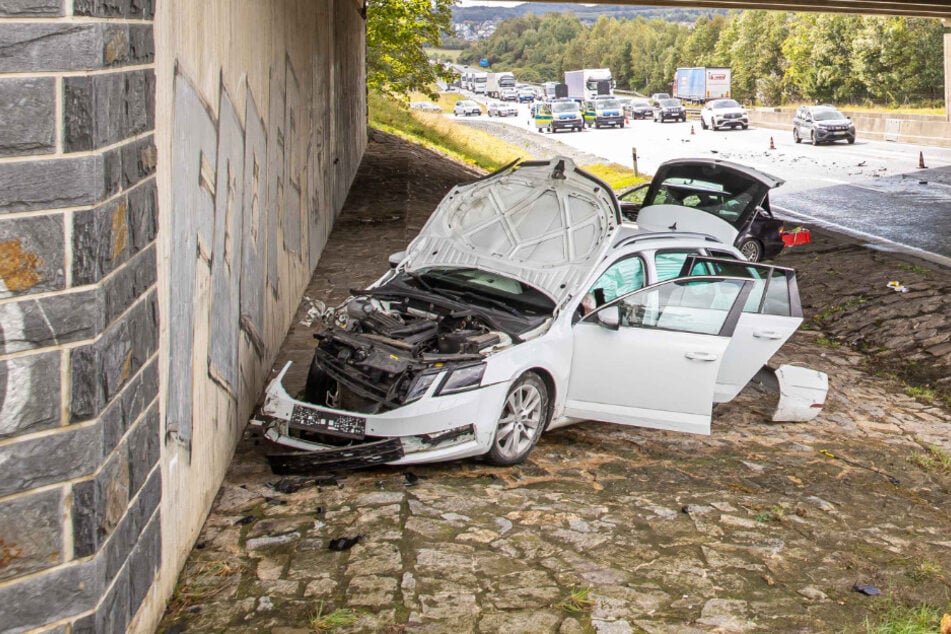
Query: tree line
x=776, y=57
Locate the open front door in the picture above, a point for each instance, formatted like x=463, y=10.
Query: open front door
x=771, y=314
x=651, y=358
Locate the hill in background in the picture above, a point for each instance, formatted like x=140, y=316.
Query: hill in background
x=587, y=14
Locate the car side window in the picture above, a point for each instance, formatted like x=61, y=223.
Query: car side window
x=701, y=306
x=668, y=264
x=621, y=278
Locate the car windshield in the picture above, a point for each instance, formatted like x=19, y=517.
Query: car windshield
x=640, y=103
x=724, y=103
x=564, y=106
x=669, y=103
x=487, y=289
x=467, y=104
x=604, y=104
x=827, y=115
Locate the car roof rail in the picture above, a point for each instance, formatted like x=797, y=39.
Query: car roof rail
x=665, y=235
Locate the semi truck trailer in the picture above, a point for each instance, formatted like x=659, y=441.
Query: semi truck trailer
x=588, y=83
x=500, y=85
x=700, y=85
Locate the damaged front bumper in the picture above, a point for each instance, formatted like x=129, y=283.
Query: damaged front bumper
x=432, y=429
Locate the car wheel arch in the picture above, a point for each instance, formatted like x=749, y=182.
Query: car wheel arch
x=494, y=455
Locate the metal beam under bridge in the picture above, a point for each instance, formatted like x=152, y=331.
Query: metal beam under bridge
x=933, y=9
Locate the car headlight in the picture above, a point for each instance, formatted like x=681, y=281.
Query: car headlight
x=419, y=387
x=462, y=379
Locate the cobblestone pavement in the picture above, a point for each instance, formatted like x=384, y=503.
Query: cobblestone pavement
x=758, y=527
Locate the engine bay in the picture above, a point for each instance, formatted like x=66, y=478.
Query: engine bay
x=372, y=356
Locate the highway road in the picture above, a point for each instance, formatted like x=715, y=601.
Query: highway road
x=871, y=189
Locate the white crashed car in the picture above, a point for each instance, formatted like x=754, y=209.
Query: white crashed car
x=523, y=305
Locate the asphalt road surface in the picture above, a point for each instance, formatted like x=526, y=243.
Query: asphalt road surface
x=871, y=189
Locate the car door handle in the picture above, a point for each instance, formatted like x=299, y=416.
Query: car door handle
x=701, y=356
x=767, y=334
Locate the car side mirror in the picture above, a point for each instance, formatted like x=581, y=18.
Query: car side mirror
x=610, y=317
x=396, y=258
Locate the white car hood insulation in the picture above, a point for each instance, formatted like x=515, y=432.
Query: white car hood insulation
x=540, y=222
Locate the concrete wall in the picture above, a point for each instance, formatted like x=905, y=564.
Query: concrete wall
x=905, y=128
x=261, y=127
x=169, y=172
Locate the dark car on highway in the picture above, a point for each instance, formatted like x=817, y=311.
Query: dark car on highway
x=735, y=194
x=639, y=109
x=669, y=109
x=822, y=124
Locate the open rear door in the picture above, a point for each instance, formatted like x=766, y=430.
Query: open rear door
x=770, y=316
x=651, y=358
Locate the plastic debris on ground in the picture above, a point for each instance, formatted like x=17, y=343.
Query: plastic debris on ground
x=867, y=590
x=897, y=286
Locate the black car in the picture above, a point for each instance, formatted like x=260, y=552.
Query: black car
x=669, y=109
x=822, y=124
x=639, y=109
x=734, y=193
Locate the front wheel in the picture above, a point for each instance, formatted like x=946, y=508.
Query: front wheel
x=703, y=124
x=812, y=138
x=851, y=140
x=551, y=129
x=795, y=135
x=751, y=249
x=523, y=418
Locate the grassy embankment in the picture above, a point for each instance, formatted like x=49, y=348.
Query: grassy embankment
x=463, y=143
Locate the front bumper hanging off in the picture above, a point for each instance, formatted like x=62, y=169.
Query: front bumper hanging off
x=428, y=430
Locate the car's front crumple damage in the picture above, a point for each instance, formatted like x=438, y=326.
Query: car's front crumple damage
x=435, y=429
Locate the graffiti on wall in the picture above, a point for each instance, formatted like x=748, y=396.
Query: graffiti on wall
x=239, y=194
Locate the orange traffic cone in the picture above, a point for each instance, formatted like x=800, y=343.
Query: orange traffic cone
x=691, y=130
x=921, y=161
x=772, y=145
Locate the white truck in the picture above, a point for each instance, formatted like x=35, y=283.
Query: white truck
x=501, y=86
x=479, y=80
x=588, y=83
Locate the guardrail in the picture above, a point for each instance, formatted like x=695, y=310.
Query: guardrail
x=918, y=129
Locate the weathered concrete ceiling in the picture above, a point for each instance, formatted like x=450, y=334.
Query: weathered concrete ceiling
x=933, y=8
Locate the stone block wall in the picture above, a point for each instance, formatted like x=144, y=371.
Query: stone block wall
x=80, y=527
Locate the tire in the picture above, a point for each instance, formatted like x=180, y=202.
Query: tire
x=744, y=126
x=851, y=140
x=703, y=124
x=597, y=125
x=683, y=119
x=812, y=137
x=551, y=129
x=795, y=135
x=751, y=249
x=522, y=420
x=620, y=125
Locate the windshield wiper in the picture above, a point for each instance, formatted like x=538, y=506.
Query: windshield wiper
x=476, y=297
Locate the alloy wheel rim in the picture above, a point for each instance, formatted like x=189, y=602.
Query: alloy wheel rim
x=521, y=417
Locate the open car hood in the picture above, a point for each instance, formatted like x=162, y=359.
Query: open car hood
x=739, y=190
x=540, y=222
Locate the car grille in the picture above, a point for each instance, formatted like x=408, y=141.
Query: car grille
x=732, y=115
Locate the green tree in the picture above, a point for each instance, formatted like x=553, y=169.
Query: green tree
x=397, y=31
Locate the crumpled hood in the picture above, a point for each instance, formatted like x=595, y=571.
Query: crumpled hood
x=540, y=222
